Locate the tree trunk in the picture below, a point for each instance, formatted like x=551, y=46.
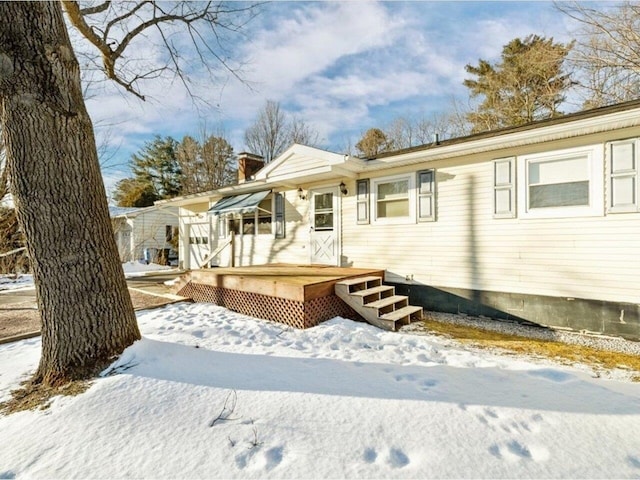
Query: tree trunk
x=55, y=179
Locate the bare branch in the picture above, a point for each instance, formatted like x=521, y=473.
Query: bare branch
x=113, y=37
x=97, y=9
x=227, y=409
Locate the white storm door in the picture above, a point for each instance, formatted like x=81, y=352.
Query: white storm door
x=324, y=235
x=198, y=244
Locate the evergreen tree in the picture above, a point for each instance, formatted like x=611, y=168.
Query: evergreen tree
x=156, y=175
x=528, y=84
x=373, y=142
x=157, y=164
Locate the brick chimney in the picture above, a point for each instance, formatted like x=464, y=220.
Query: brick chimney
x=248, y=165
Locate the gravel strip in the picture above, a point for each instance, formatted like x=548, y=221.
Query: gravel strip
x=601, y=342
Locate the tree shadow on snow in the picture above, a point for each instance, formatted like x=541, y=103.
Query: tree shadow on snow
x=538, y=389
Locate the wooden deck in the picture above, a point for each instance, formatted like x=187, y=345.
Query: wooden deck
x=298, y=295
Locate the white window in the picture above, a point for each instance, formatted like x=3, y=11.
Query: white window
x=623, y=176
x=279, y=215
x=565, y=183
x=504, y=188
x=362, y=200
x=426, y=195
x=246, y=223
x=393, y=199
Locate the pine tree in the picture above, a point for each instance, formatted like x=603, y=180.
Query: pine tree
x=528, y=84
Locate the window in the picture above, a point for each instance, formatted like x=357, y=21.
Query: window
x=279, y=215
x=426, y=195
x=362, y=201
x=264, y=217
x=623, y=178
x=246, y=223
x=323, y=212
x=565, y=183
x=393, y=199
x=504, y=186
x=198, y=240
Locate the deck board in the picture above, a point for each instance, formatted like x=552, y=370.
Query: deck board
x=293, y=282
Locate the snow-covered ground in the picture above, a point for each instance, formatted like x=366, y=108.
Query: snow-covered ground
x=209, y=393
x=131, y=269
x=139, y=269
x=16, y=282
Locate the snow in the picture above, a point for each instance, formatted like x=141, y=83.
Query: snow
x=16, y=282
x=140, y=269
x=208, y=393
x=131, y=269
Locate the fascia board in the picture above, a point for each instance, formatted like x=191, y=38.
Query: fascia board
x=606, y=123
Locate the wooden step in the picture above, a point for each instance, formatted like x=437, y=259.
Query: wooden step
x=350, y=285
x=373, y=294
x=407, y=311
x=388, y=301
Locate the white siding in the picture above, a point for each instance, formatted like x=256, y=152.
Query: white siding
x=149, y=230
x=591, y=257
x=262, y=249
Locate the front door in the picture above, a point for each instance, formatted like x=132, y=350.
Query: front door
x=324, y=236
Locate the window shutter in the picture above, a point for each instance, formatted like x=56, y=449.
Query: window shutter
x=426, y=196
x=624, y=177
x=362, y=201
x=279, y=215
x=504, y=200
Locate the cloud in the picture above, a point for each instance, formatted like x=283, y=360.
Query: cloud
x=342, y=67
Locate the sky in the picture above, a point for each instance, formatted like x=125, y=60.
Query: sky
x=342, y=67
x=210, y=393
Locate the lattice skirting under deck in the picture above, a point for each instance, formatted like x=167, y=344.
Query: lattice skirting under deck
x=290, y=312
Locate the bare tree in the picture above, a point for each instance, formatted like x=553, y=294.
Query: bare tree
x=273, y=132
x=607, y=52
x=268, y=136
x=206, y=164
x=53, y=168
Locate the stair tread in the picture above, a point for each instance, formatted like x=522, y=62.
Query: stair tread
x=369, y=291
x=386, y=301
x=356, y=280
x=401, y=312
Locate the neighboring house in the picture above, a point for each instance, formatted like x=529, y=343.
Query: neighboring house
x=539, y=222
x=145, y=234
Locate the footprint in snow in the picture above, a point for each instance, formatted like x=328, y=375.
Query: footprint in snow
x=370, y=455
x=427, y=385
x=397, y=458
x=514, y=451
x=256, y=459
x=631, y=460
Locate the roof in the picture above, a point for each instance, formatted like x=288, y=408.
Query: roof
x=301, y=164
x=570, y=117
x=121, y=211
x=132, y=212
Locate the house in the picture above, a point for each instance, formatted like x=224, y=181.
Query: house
x=146, y=234
x=538, y=223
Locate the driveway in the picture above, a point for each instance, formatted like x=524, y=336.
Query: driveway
x=19, y=317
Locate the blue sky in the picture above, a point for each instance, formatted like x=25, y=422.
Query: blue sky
x=343, y=67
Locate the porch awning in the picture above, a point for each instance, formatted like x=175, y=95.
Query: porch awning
x=245, y=203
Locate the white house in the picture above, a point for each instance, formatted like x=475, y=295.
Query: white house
x=538, y=223
x=145, y=234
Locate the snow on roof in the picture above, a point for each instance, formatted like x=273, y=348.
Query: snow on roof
x=120, y=211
